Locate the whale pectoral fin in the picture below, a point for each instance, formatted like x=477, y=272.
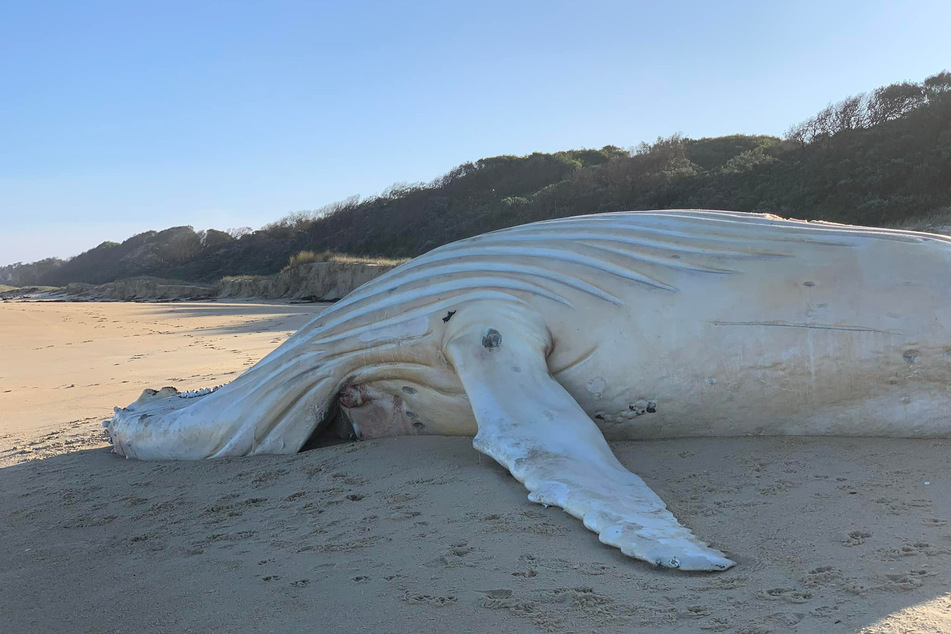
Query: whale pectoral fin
x=534, y=428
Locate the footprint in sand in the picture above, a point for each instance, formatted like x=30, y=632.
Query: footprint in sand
x=856, y=538
x=906, y=581
x=430, y=600
x=787, y=594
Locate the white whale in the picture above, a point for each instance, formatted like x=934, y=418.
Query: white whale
x=545, y=339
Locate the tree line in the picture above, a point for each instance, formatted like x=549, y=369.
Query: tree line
x=880, y=158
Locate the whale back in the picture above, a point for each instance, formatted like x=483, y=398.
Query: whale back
x=582, y=259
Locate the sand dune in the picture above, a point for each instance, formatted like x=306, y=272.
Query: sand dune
x=416, y=534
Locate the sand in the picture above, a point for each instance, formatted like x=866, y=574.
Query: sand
x=416, y=534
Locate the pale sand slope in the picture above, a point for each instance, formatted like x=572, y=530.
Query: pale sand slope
x=417, y=534
x=63, y=361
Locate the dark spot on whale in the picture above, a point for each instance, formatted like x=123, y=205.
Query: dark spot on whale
x=412, y=415
x=409, y=390
x=492, y=339
x=910, y=356
x=642, y=407
x=419, y=425
x=448, y=316
x=599, y=416
x=808, y=283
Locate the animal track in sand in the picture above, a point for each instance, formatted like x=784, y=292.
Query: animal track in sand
x=334, y=546
x=824, y=576
x=786, y=594
x=856, y=538
x=403, y=515
x=232, y=509
x=227, y=537
x=263, y=478
x=349, y=480
x=84, y=521
x=695, y=611
x=726, y=583
x=895, y=506
x=552, y=609
x=592, y=569
x=399, y=498
x=430, y=600
x=778, y=487
x=159, y=509
x=455, y=556
x=905, y=581
x=512, y=523
x=821, y=576
x=911, y=549
x=150, y=541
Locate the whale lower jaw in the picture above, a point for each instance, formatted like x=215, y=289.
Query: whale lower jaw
x=141, y=421
x=251, y=415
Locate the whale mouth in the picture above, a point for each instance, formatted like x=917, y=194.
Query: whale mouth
x=335, y=428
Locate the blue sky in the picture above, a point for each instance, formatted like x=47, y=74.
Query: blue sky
x=117, y=117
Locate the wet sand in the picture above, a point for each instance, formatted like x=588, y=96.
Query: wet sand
x=417, y=534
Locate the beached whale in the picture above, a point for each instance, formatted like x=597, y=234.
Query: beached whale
x=543, y=340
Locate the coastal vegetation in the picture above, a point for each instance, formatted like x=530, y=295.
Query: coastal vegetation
x=881, y=158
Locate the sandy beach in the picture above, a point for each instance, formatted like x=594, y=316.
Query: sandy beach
x=418, y=534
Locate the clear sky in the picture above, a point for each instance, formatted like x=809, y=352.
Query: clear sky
x=122, y=116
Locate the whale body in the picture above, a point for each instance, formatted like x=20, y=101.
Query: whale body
x=542, y=340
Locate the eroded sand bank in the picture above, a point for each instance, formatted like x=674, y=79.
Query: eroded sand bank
x=416, y=534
